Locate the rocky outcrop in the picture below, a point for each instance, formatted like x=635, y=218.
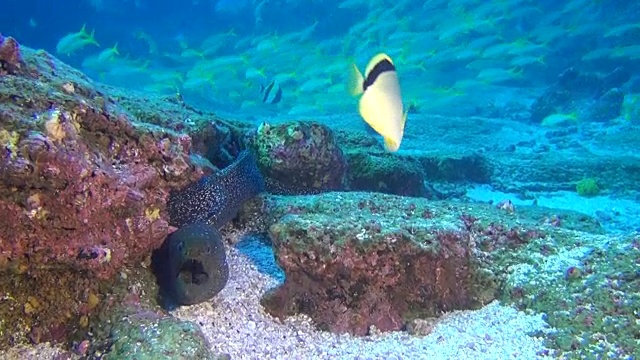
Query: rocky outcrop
x=85, y=173
x=356, y=260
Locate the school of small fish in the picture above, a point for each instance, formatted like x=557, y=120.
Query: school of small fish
x=447, y=55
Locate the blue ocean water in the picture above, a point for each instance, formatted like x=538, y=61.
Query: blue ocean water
x=560, y=81
x=453, y=58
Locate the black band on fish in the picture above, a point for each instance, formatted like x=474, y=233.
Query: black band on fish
x=272, y=93
x=267, y=90
x=383, y=66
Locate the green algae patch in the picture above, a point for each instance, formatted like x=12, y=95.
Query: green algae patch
x=588, y=287
x=587, y=187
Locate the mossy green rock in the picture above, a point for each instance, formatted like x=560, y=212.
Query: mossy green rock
x=151, y=336
x=301, y=155
x=354, y=260
x=386, y=173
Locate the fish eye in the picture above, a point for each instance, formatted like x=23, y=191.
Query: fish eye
x=208, y=249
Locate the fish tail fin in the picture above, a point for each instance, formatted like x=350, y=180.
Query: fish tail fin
x=92, y=39
x=355, y=81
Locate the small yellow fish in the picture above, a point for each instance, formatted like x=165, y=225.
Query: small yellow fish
x=109, y=54
x=73, y=42
x=381, y=102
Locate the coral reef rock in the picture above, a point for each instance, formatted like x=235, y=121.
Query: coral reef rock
x=83, y=184
x=355, y=260
x=298, y=157
x=85, y=173
x=386, y=173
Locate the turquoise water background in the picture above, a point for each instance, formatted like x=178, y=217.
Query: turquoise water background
x=453, y=57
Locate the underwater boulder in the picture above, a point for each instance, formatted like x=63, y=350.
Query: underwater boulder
x=60, y=147
x=216, y=141
x=354, y=260
x=582, y=92
x=552, y=101
x=83, y=189
x=298, y=157
x=385, y=173
x=11, y=61
x=469, y=167
x=152, y=335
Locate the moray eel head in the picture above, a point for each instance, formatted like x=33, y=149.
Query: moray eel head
x=193, y=272
x=198, y=268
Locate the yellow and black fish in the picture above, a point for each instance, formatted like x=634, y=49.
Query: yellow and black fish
x=381, y=102
x=272, y=93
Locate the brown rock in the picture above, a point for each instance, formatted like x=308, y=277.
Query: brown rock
x=356, y=260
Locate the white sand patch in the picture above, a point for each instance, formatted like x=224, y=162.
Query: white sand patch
x=43, y=351
x=615, y=214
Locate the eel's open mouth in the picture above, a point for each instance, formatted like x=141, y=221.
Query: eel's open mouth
x=192, y=272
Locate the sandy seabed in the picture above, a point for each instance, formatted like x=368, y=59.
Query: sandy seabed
x=236, y=324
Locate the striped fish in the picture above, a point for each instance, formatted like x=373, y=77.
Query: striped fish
x=271, y=94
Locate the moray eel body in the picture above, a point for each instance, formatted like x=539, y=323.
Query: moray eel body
x=217, y=198
x=197, y=266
